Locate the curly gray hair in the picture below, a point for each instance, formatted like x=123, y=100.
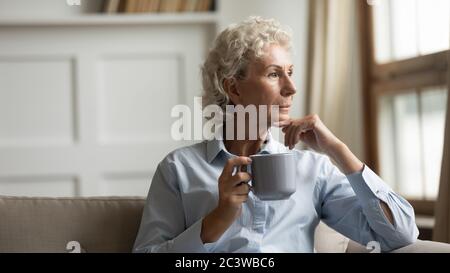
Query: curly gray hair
x=233, y=50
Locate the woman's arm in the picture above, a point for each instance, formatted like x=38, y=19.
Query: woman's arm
x=352, y=205
x=162, y=228
x=348, y=163
x=233, y=191
x=316, y=135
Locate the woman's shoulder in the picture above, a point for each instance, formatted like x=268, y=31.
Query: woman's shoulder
x=189, y=153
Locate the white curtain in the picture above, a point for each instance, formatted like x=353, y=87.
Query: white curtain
x=334, y=73
x=441, y=231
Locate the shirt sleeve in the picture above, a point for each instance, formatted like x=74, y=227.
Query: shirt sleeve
x=163, y=227
x=351, y=205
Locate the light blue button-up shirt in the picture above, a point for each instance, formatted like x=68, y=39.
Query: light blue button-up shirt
x=185, y=189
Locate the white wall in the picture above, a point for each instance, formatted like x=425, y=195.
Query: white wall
x=292, y=13
x=85, y=109
x=84, y=142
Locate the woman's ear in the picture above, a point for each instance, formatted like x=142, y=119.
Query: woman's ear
x=230, y=87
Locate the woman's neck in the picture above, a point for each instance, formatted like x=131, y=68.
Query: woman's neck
x=246, y=147
x=243, y=147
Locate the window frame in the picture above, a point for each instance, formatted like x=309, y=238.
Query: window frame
x=393, y=78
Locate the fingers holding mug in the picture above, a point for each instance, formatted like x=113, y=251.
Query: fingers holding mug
x=242, y=189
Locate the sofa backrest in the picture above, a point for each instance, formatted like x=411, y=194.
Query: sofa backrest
x=108, y=224
x=103, y=224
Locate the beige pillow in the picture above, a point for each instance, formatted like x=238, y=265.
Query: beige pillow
x=327, y=240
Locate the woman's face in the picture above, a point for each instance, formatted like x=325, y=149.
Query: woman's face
x=268, y=82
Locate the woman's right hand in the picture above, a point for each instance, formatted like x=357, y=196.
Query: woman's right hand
x=233, y=191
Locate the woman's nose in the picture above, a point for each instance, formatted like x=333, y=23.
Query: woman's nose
x=288, y=87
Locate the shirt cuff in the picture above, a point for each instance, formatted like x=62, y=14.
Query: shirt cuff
x=190, y=241
x=369, y=186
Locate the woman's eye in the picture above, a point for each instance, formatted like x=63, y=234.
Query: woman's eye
x=273, y=75
x=290, y=73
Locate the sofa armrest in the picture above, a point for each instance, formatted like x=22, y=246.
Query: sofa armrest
x=424, y=247
x=418, y=247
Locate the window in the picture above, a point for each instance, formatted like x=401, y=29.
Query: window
x=410, y=141
x=410, y=28
x=405, y=94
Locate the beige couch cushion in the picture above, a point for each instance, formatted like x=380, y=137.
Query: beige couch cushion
x=48, y=224
x=327, y=240
x=418, y=247
x=107, y=224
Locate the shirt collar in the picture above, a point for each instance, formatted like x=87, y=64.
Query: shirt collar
x=215, y=146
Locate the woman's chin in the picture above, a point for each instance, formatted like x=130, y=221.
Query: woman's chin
x=284, y=117
x=282, y=121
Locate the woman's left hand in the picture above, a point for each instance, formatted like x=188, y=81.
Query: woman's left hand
x=312, y=132
x=316, y=135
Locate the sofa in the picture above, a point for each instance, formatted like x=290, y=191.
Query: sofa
x=110, y=225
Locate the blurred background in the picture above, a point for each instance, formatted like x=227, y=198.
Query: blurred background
x=87, y=88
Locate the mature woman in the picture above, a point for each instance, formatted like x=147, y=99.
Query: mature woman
x=197, y=203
